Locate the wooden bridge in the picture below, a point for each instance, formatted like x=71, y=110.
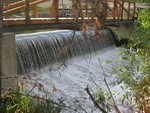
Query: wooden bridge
x=25, y=14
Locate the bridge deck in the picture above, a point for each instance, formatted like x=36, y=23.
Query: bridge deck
x=20, y=21
x=51, y=23
x=119, y=11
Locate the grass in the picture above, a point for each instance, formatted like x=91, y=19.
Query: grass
x=16, y=102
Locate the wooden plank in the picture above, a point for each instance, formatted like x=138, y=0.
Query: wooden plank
x=22, y=8
x=35, y=12
x=122, y=10
x=134, y=11
x=55, y=9
x=126, y=10
x=129, y=5
x=14, y=5
x=39, y=21
x=114, y=9
x=50, y=21
x=27, y=12
x=18, y=4
x=18, y=28
x=72, y=25
x=86, y=8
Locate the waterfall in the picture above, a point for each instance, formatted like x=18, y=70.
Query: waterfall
x=38, y=50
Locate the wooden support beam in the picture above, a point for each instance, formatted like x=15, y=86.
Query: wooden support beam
x=129, y=5
x=86, y=8
x=122, y=10
x=99, y=23
x=6, y=4
x=80, y=9
x=114, y=9
x=134, y=10
x=27, y=11
x=118, y=11
x=74, y=10
x=14, y=5
x=52, y=25
x=35, y=12
x=55, y=9
x=20, y=3
x=22, y=7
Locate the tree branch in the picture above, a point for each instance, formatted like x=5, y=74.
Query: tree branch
x=93, y=100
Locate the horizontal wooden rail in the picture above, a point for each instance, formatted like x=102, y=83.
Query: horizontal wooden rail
x=21, y=21
x=21, y=8
x=14, y=5
x=116, y=13
x=42, y=21
x=73, y=25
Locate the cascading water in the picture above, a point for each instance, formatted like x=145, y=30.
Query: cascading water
x=83, y=57
x=37, y=50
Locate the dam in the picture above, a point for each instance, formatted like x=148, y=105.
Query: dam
x=67, y=74
x=66, y=59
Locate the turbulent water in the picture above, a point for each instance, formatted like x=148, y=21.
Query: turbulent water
x=37, y=50
x=65, y=63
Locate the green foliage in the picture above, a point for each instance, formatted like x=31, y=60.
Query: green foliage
x=15, y=102
x=136, y=78
x=144, y=19
x=102, y=98
x=140, y=37
x=135, y=74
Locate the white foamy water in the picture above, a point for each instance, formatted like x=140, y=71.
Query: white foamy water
x=69, y=80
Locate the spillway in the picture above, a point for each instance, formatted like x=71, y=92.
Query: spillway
x=38, y=50
x=68, y=61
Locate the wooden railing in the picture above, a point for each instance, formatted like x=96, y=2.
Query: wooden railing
x=120, y=11
x=20, y=6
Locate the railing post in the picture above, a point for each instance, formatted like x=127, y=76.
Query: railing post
x=27, y=12
x=35, y=12
x=122, y=10
x=55, y=9
x=129, y=4
x=80, y=10
x=118, y=11
x=5, y=5
x=134, y=11
x=114, y=9
x=74, y=10
x=86, y=8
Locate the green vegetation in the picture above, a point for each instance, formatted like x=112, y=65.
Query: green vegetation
x=133, y=70
x=140, y=38
x=17, y=102
x=135, y=74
